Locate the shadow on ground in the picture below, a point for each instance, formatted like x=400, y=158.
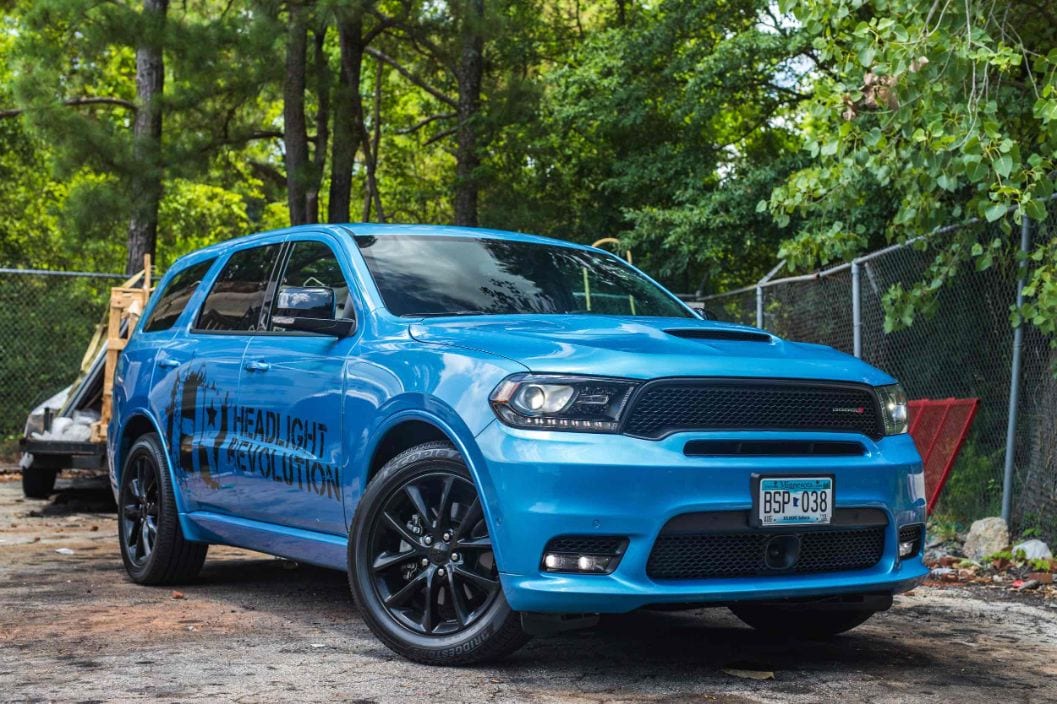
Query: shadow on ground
x=79, y=494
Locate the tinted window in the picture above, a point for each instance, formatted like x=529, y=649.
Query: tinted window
x=174, y=298
x=236, y=299
x=440, y=275
x=313, y=265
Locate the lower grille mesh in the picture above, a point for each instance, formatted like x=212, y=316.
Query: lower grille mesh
x=587, y=544
x=741, y=554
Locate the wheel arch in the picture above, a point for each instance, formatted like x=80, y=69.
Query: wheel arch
x=411, y=427
x=403, y=435
x=134, y=426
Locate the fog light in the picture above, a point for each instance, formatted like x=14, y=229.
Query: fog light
x=590, y=564
x=584, y=554
x=911, y=539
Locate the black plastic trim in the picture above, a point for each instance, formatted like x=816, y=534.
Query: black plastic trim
x=777, y=448
x=629, y=406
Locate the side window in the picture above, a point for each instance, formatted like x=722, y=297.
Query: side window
x=240, y=290
x=174, y=298
x=312, y=270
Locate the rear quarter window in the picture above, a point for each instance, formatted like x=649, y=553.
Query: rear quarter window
x=175, y=296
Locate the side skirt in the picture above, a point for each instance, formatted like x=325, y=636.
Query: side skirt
x=319, y=549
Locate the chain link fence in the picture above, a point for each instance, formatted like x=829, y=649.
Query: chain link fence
x=963, y=348
x=47, y=319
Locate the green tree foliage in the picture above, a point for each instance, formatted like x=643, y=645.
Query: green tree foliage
x=705, y=134
x=664, y=130
x=939, y=111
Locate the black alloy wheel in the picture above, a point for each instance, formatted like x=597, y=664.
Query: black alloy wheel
x=431, y=556
x=139, y=511
x=153, y=546
x=421, y=563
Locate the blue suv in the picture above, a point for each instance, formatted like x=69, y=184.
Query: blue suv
x=497, y=435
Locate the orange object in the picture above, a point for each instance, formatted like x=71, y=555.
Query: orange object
x=939, y=427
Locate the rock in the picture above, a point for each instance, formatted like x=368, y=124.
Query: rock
x=1030, y=584
x=986, y=537
x=1041, y=577
x=1034, y=549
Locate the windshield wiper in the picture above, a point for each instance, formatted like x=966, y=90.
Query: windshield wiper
x=447, y=313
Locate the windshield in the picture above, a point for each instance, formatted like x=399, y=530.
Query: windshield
x=424, y=275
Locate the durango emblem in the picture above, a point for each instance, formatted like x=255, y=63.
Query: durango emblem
x=858, y=410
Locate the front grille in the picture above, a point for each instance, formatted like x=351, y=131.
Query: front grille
x=673, y=405
x=741, y=552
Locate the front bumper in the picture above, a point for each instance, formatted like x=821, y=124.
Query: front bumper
x=540, y=485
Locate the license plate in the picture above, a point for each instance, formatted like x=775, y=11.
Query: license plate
x=785, y=501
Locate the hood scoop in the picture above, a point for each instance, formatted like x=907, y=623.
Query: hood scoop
x=722, y=335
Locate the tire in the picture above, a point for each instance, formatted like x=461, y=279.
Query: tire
x=450, y=611
x=38, y=483
x=153, y=547
x=812, y=624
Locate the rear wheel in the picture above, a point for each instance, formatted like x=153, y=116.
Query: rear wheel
x=421, y=564
x=38, y=483
x=153, y=547
x=802, y=622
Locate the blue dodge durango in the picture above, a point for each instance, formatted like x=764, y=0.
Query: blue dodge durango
x=497, y=435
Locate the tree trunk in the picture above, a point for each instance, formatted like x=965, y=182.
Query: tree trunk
x=469, y=76
x=298, y=167
x=146, y=180
x=322, y=89
x=348, y=115
x=370, y=149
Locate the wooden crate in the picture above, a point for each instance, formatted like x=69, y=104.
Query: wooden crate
x=127, y=302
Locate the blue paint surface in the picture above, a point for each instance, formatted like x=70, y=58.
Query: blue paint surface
x=275, y=458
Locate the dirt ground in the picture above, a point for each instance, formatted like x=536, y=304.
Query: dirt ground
x=257, y=629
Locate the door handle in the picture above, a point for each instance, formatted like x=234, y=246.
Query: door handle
x=257, y=366
x=168, y=363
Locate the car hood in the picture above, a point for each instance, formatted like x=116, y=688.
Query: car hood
x=644, y=348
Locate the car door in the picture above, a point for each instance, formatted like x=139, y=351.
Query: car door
x=198, y=378
x=289, y=428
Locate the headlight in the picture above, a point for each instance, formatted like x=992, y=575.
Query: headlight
x=551, y=402
x=893, y=408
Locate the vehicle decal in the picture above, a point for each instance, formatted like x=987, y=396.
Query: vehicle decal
x=203, y=423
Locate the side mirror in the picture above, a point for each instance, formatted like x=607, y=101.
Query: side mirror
x=310, y=309
x=706, y=314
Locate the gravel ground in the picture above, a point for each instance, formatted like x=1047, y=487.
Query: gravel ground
x=257, y=629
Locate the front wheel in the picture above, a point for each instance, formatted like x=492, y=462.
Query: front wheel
x=815, y=624
x=421, y=565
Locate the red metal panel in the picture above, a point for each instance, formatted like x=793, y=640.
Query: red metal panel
x=939, y=427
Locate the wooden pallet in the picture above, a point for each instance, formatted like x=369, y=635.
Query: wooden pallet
x=127, y=302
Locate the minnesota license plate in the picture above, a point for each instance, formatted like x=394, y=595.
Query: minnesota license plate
x=784, y=501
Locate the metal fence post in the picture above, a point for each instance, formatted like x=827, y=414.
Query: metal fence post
x=856, y=310
x=759, y=307
x=1014, y=376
